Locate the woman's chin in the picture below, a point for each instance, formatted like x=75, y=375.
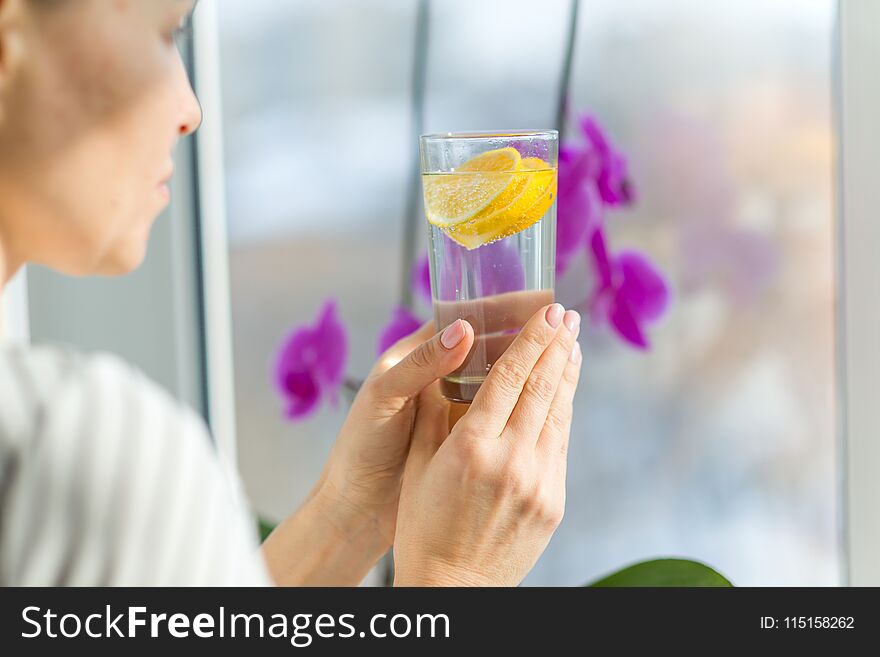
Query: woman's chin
x=123, y=260
x=125, y=264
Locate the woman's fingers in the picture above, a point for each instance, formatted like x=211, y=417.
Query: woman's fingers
x=531, y=410
x=553, y=440
x=430, y=427
x=498, y=395
x=398, y=351
x=429, y=361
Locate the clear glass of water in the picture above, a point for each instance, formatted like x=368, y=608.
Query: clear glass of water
x=490, y=205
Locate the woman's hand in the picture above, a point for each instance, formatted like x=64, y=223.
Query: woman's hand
x=349, y=519
x=365, y=467
x=478, y=507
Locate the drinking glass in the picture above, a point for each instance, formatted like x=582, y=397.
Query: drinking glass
x=490, y=205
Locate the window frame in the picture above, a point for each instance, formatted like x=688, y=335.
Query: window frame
x=208, y=179
x=857, y=106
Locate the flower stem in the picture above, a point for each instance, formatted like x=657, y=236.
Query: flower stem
x=352, y=385
x=411, y=219
x=565, y=77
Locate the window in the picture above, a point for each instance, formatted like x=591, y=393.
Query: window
x=718, y=444
x=317, y=144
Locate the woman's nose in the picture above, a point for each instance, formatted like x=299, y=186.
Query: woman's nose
x=190, y=109
x=192, y=114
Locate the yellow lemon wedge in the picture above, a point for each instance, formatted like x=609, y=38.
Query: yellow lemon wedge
x=453, y=198
x=509, y=200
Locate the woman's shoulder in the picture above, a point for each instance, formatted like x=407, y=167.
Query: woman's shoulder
x=72, y=409
x=122, y=476
x=40, y=382
x=30, y=378
x=41, y=369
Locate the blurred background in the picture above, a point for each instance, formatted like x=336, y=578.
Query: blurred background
x=718, y=444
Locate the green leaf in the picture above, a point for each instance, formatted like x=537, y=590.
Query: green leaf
x=664, y=572
x=265, y=527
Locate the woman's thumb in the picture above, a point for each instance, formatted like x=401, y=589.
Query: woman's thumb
x=437, y=357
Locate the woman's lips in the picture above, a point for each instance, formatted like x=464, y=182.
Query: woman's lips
x=164, y=185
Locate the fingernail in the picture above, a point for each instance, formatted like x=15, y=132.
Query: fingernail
x=453, y=334
x=575, y=356
x=554, y=315
x=572, y=320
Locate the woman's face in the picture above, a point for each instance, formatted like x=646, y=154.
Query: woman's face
x=93, y=98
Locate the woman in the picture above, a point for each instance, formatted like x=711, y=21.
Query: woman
x=105, y=480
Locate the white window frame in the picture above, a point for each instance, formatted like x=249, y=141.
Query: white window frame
x=857, y=104
x=219, y=374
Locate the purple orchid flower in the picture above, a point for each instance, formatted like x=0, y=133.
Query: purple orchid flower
x=631, y=292
x=578, y=210
x=402, y=324
x=611, y=172
x=592, y=176
x=311, y=364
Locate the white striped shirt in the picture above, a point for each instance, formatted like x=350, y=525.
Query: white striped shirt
x=106, y=480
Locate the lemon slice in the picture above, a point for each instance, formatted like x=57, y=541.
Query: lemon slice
x=454, y=198
x=501, y=159
x=491, y=196
x=528, y=197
